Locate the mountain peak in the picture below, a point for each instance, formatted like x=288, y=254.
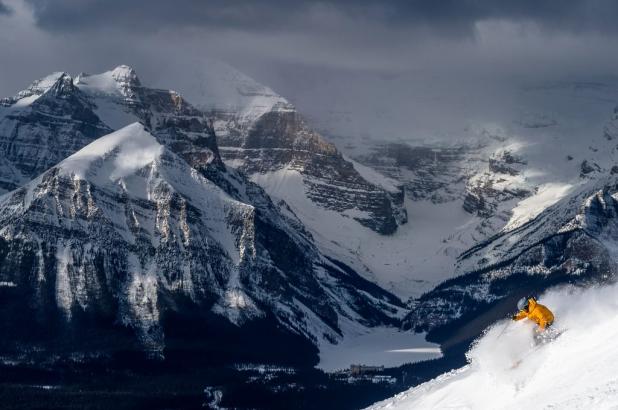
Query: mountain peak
x=58, y=83
x=217, y=86
x=62, y=86
x=41, y=85
x=125, y=74
x=124, y=143
x=122, y=81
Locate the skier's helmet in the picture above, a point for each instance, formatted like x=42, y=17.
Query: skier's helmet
x=522, y=304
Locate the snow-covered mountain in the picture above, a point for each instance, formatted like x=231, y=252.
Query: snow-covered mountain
x=457, y=194
x=262, y=134
x=563, y=233
x=140, y=229
x=540, y=202
x=42, y=125
x=58, y=115
x=575, y=371
x=343, y=204
x=572, y=241
x=509, y=210
x=492, y=176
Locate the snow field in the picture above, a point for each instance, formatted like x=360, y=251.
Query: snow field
x=411, y=261
x=507, y=370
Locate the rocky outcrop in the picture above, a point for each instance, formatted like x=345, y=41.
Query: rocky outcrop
x=505, y=163
x=487, y=190
x=432, y=173
x=588, y=168
x=119, y=98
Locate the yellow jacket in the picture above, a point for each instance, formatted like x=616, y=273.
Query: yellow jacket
x=537, y=312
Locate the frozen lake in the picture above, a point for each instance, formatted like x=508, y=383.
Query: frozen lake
x=381, y=347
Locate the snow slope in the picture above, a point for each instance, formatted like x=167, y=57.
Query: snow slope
x=409, y=262
x=136, y=148
x=507, y=371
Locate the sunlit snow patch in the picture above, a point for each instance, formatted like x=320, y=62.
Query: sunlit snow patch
x=530, y=208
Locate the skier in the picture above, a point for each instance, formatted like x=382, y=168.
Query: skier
x=529, y=308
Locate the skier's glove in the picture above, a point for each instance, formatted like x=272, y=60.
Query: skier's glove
x=514, y=317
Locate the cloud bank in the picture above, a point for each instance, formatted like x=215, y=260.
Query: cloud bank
x=363, y=57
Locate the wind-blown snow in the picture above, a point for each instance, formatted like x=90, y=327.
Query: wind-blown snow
x=28, y=96
x=101, y=83
x=507, y=371
x=26, y=101
x=218, y=86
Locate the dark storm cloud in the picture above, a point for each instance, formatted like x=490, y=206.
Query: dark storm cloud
x=4, y=9
x=150, y=15
x=389, y=64
x=448, y=16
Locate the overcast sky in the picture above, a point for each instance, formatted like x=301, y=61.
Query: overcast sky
x=358, y=56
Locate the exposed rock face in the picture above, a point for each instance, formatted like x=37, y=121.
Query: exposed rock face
x=588, y=168
x=505, y=163
x=487, y=190
x=449, y=173
x=44, y=124
x=481, y=176
x=431, y=173
x=474, y=203
x=119, y=98
x=268, y=135
x=146, y=224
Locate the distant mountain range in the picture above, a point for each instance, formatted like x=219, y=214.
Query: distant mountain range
x=131, y=214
